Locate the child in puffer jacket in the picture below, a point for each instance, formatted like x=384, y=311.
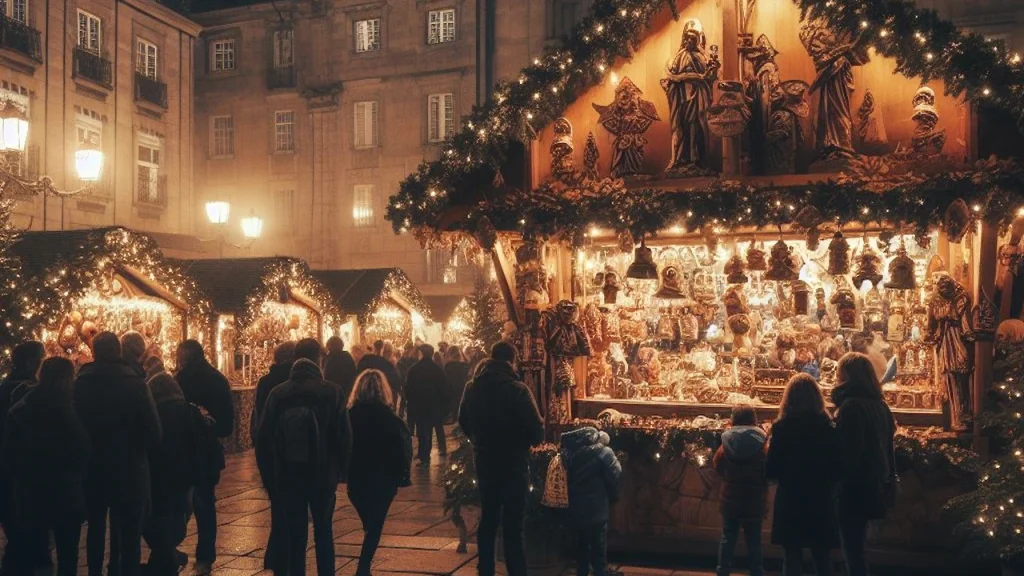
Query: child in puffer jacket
x=592, y=472
x=740, y=463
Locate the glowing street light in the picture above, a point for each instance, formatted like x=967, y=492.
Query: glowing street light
x=252, y=227
x=89, y=165
x=13, y=128
x=217, y=212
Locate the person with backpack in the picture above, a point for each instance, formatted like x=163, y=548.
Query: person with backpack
x=739, y=462
x=592, y=475
x=427, y=393
x=46, y=452
x=120, y=416
x=303, y=443
x=209, y=392
x=500, y=417
x=171, y=465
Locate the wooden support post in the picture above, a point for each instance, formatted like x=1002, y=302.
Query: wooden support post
x=731, y=70
x=506, y=281
x=985, y=281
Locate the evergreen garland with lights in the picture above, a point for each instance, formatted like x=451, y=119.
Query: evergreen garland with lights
x=990, y=520
x=396, y=283
x=288, y=273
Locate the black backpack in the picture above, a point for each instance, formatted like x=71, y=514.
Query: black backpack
x=209, y=453
x=297, y=442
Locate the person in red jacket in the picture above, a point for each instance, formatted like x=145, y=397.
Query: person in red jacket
x=740, y=463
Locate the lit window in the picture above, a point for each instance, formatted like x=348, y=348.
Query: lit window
x=284, y=131
x=90, y=32
x=368, y=35
x=363, y=200
x=16, y=10
x=284, y=49
x=223, y=55
x=365, y=126
x=441, y=26
x=148, y=165
x=146, y=59
x=441, y=267
x=223, y=136
x=440, y=116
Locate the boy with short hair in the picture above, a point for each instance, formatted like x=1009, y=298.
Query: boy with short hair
x=739, y=461
x=592, y=473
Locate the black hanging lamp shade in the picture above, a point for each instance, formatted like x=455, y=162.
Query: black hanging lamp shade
x=643, y=266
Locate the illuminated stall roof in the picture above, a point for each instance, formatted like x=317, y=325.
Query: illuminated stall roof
x=362, y=291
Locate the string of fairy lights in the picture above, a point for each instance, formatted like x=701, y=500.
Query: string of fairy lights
x=293, y=275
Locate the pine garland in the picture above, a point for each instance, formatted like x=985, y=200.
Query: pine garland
x=487, y=310
x=288, y=273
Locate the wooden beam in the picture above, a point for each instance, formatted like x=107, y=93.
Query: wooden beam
x=507, y=283
x=984, y=348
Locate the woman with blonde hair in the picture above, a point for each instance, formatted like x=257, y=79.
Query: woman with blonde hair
x=803, y=458
x=381, y=457
x=866, y=428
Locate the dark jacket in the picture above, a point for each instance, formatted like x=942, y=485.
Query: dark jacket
x=207, y=388
x=46, y=451
x=866, y=428
x=404, y=364
x=118, y=411
x=306, y=387
x=426, y=391
x=740, y=463
x=593, y=473
x=803, y=457
x=395, y=380
x=340, y=368
x=456, y=372
x=172, y=462
x=278, y=374
x=12, y=389
x=381, y=448
x=499, y=415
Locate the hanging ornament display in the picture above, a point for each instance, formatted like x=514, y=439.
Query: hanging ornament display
x=901, y=271
x=671, y=284
x=895, y=324
x=783, y=263
x=869, y=267
x=735, y=301
x=819, y=302
x=809, y=218
x=838, y=255
x=801, y=298
x=846, y=307
x=956, y=220
x=734, y=270
x=756, y=258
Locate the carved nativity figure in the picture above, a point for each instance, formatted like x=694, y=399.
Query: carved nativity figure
x=777, y=105
x=627, y=118
x=927, y=141
x=562, y=166
x=688, y=79
x=834, y=57
x=949, y=329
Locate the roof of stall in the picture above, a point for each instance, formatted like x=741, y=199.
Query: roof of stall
x=362, y=291
x=443, y=306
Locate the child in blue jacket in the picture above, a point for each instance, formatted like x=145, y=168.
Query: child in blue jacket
x=593, y=473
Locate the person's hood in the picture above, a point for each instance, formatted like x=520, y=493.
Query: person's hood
x=493, y=368
x=854, y=389
x=305, y=369
x=282, y=371
x=164, y=388
x=117, y=369
x=743, y=442
x=575, y=441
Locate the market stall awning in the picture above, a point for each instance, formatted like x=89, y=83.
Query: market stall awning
x=362, y=291
x=443, y=306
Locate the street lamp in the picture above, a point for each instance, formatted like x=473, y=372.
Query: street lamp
x=13, y=128
x=89, y=165
x=218, y=211
x=252, y=227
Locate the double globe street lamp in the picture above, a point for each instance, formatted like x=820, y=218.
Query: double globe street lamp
x=218, y=213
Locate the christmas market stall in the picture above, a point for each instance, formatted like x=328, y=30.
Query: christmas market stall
x=379, y=303
x=688, y=203
x=453, y=320
x=259, y=303
x=73, y=285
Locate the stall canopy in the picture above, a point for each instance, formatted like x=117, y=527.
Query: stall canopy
x=382, y=302
x=453, y=319
x=75, y=284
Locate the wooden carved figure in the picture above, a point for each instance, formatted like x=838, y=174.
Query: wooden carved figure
x=687, y=82
x=627, y=118
x=949, y=329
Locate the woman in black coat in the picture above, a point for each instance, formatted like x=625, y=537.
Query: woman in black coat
x=456, y=372
x=46, y=450
x=803, y=457
x=381, y=458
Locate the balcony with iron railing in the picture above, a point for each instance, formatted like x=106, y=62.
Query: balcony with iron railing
x=281, y=77
x=92, y=67
x=150, y=90
x=20, y=38
x=151, y=193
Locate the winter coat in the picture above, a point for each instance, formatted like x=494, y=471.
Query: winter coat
x=456, y=373
x=395, y=380
x=340, y=368
x=305, y=387
x=803, y=457
x=404, y=364
x=427, y=393
x=278, y=374
x=499, y=415
x=381, y=448
x=866, y=428
x=593, y=473
x=172, y=462
x=12, y=389
x=118, y=411
x=739, y=461
x=46, y=452
x=207, y=388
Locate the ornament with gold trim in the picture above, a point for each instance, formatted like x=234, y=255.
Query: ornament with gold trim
x=901, y=271
x=756, y=259
x=869, y=267
x=734, y=270
x=846, y=307
x=783, y=263
x=838, y=255
x=809, y=219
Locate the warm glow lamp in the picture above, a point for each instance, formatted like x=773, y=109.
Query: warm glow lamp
x=217, y=212
x=13, y=128
x=89, y=165
x=252, y=227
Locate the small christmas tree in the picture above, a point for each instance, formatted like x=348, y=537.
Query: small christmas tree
x=991, y=518
x=10, y=331
x=488, y=310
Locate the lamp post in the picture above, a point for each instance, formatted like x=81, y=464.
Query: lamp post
x=218, y=213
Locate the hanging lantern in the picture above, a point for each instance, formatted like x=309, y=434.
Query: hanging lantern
x=734, y=270
x=756, y=258
x=901, y=271
x=869, y=267
x=838, y=255
x=781, y=262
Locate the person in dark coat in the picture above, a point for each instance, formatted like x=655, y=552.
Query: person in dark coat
x=739, y=461
x=21, y=553
x=209, y=390
x=427, y=393
x=500, y=417
x=120, y=416
x=381, y=457
x=133, y=350
x=339, y=367
x=375, y=360
x=46, y=451
x=803, y=458
x=303, y=444
x=171, y=467
x=408, y=359
x=866, y=428
x=592, y=473
x=284, y=357
x=456, y=372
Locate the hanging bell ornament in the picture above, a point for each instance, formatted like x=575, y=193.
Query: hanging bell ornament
x=756, y=259
x=780, y=263
x=957, y=220
x=901, y=271
x=869, y=267
x=838, y=255
x=734, y=270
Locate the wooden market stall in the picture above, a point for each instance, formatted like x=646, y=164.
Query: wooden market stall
x=688, y=203
x=76, y=284
x=453, y=320
x=379, y=303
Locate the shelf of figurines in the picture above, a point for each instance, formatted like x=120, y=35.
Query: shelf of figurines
x=713, y=325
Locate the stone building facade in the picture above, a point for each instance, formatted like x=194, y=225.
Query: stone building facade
x=116, y=74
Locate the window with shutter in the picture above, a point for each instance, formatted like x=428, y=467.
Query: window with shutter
x=440, y=117
x=365, y=126
x=90, y=32
x=441, y=26
x=363, y=200
x=146, y=59
x=367, y=35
